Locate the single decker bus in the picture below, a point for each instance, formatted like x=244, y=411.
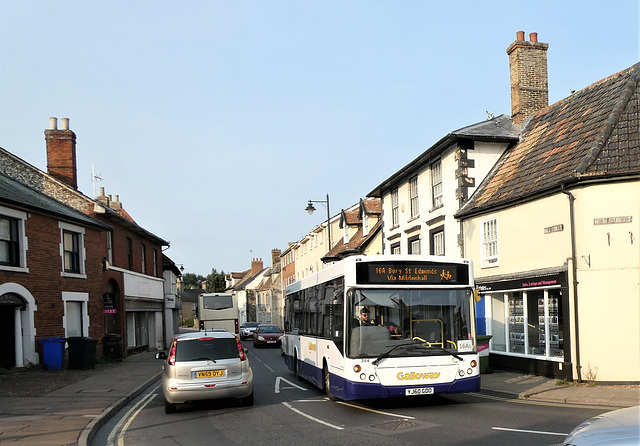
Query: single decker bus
x=384, y=326
x=218, y=310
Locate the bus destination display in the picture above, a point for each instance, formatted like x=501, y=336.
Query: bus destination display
x=411, y=273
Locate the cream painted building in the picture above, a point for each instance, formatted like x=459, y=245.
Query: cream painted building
x=553, y=233
x=354, y=230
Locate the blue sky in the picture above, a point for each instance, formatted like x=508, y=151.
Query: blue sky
x=215, y=122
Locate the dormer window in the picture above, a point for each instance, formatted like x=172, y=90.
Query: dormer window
x=365, y=225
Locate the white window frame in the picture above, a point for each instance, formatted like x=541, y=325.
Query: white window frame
x=365, y=225
x=413, y=197
x=83, y=299
x=436, y=184
x=438, y=243
x=22, y=240
x=345, y=233
x=489, y=242
x=413, y=245
x=82, y=255
x=395, y=208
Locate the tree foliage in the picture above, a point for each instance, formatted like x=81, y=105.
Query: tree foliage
x=215, y=281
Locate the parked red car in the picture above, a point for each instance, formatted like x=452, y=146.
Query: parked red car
x=269, y=335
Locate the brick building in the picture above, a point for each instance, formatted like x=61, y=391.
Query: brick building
x=50, y=273
x=131, y=271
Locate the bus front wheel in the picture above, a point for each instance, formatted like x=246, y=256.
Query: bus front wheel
x=295, y=367
x=327, y=382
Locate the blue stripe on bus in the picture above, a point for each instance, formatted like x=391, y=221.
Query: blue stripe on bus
x=352, y=390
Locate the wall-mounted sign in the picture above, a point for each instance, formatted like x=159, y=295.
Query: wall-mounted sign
x=612, y=220
x=555, y=228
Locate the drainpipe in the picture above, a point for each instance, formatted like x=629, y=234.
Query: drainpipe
x=575, y=277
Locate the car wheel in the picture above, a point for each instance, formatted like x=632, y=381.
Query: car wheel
x=247, y=401
x=327, y=383
x=168, y=407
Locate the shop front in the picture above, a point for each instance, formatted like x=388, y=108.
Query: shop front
x=527, y=317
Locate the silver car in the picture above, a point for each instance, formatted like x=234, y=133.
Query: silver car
x=247, y=329
x=619, y=427
x=205, y=365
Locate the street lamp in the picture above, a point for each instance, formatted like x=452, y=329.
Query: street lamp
x=310, y=210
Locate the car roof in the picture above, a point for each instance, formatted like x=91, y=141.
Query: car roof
x=215, y=333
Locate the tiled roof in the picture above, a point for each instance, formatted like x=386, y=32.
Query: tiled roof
x=593, y=133
x=13, y=192
x=356, y=244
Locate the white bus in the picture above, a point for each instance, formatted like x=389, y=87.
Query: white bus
x=421, y=341
x=218, y=310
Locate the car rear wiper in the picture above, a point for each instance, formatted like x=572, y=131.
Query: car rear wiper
x=202, y=358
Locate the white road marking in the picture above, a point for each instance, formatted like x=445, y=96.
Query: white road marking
x=299, y=412
x=111, y=440
x=528, y=431
x=280, y=378
x=375, y=411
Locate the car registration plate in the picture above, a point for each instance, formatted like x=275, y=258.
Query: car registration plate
x=271, y=342
x=419, y=391
x=208, y=374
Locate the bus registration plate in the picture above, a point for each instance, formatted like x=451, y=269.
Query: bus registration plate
x=209, y=374
x=419, y=391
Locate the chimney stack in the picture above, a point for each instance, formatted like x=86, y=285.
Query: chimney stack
x=529, y=78
x=275, y=256
x=61, y=152
x=256, y=266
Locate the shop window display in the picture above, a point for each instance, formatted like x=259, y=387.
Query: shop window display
x=528, y=322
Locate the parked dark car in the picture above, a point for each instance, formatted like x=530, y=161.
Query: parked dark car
x=267, y=335
x=247, y=329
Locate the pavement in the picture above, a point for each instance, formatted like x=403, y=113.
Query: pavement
x=72, y=415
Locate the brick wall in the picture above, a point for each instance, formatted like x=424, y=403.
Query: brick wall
x=46, y=284
x=529, y=78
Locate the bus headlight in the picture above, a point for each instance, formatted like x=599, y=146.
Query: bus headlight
x=469, y=371
x=372, y=377
x=363, y=376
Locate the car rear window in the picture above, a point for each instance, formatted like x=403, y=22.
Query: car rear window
x=207, y=348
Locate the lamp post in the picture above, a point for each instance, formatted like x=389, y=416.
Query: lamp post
x=310, y=210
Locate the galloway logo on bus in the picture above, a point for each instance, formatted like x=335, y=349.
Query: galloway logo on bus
x=416, y=376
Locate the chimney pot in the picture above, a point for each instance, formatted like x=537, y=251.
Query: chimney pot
x=533, y=37
x=53, y=123
x=520, y=35
x=65, y=123
x=102, y=191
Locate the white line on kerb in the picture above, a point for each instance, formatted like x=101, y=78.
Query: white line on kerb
x=299, y=412
x=528, y=431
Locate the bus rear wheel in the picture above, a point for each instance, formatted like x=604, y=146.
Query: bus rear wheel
x=327, y=382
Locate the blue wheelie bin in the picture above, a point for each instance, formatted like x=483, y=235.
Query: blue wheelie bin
x=53, y=352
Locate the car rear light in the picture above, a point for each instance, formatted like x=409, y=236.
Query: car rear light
x=172, y=354
x=241, y=352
